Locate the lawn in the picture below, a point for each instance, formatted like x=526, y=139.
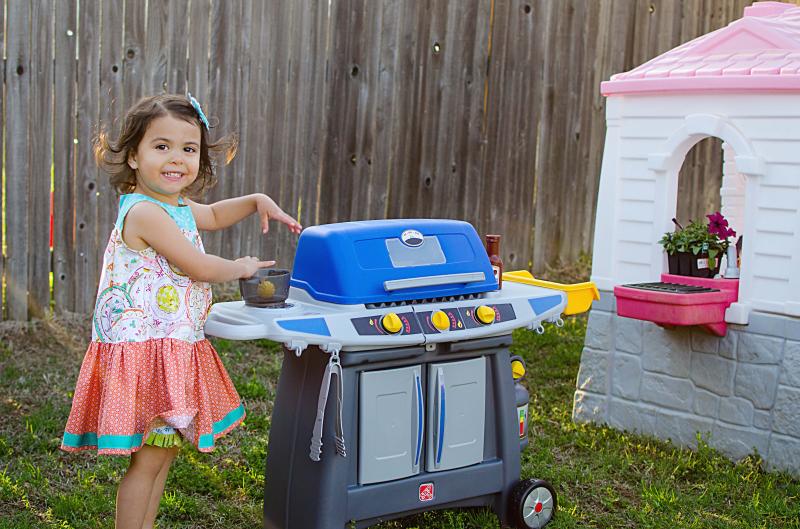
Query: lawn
x=604, y=478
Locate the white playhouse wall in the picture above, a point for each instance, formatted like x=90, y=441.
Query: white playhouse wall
x=648, y=136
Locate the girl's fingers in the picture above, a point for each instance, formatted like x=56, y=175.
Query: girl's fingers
x=266, y=264
x=294, y=226
x=280, y=216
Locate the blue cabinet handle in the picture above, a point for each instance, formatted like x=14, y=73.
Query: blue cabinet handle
x=420, y=419
x=441, y=414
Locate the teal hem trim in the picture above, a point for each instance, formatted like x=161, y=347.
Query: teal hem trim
x=119, y=442
x=128, y=442
x=112, y=442
x=76, y=441
x=207, y=440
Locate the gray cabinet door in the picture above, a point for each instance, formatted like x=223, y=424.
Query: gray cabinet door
x=391, y=423
x=456, y=414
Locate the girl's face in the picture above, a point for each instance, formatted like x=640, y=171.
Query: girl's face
x=167, y=159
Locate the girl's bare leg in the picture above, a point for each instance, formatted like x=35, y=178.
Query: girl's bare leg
x=136, y=487
x=158, y=489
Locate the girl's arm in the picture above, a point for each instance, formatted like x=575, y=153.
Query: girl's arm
x=147, y=224
x=228, y=212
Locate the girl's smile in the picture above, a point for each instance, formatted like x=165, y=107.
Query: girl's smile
x=167, y=158
x=172, y=176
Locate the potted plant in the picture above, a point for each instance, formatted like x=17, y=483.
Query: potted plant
x=696, y=249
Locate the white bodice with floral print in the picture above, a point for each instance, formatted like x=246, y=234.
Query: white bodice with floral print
x=141, y=295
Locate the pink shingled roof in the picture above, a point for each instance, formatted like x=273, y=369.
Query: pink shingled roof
x=758, y=52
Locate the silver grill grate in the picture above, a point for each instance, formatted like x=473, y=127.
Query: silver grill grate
x=444, y=299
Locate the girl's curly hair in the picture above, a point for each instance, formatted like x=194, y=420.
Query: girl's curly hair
x=112, y=156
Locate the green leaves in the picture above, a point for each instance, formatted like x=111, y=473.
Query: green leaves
x=694, y=238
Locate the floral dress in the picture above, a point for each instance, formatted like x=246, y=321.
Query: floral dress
x=149, y=371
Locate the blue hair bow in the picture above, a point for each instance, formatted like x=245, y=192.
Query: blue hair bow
x=196, y=105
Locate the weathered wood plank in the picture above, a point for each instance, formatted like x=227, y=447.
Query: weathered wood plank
x=416, y=50
x=156, y=48
x=112, y=55
x=402, y=96
x=310, y=56
x=449, y=47
x=369, y=186
x=594, y=138
x=281, y=120
x=178, y=21
x=133, y=67
x=198, y=48
x=492, y=164
x=222, y=89
x=17, y=162
x=313, y=122
x=87, y=266
x=458, y=46
x=570, y=200
x=41, y=157
x=318, y=120
x=268, y=177
x=385, y=116
x=238, y=107
x=64, y=156
x=334, y=185
x=429, y=102
x=2, y=162
x=260, y=124
x=250, y=106
x=472, y=144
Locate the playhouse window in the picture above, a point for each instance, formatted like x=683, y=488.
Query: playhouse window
x=700, y=180
x=709, y=181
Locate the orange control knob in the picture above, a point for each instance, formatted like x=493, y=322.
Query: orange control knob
x=485, y=314
x=391, y=323
x=440, y=320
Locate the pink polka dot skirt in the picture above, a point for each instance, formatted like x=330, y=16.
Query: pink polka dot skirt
x=125, y=390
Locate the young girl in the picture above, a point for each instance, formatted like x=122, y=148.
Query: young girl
x=150, y=381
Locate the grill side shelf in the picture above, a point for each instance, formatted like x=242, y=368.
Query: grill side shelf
x=671, y=288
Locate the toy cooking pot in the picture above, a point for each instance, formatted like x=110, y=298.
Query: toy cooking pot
x=268, y=286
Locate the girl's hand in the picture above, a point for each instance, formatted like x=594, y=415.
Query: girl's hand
x=267, y=209
x=252, y=265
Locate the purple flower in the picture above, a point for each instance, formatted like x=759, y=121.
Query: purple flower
x=718, y=225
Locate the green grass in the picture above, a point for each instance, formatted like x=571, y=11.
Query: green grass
x=604, y=478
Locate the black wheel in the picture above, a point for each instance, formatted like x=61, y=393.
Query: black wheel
x=533, y=503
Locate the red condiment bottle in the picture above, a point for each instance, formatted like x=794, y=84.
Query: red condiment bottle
x=493, y=250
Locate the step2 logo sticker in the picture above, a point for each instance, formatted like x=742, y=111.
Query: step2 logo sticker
x=412, y=238
x=426, y=492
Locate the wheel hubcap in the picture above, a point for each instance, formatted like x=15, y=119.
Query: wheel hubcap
x=537, y=509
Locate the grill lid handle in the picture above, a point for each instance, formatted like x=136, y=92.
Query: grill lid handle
x=430, y=281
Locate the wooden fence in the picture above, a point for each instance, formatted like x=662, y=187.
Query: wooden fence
x=483, y=110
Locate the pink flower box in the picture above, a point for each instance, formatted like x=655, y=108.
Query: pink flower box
x=706, y=309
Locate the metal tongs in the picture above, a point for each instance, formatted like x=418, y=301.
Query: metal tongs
x=334, y=367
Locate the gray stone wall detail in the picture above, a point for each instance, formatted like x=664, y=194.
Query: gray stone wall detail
x=740, y=392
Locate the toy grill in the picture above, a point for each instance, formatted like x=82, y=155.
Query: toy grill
x=396, y=392
x=672, y=288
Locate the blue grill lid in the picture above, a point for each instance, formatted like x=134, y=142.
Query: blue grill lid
x=379, y=261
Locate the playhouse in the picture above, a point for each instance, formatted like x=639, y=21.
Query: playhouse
x=735, y=379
